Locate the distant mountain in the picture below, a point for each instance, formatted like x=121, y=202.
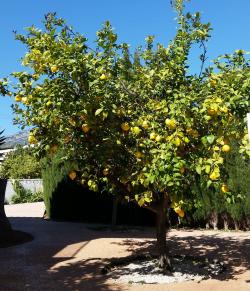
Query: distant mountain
x=14, y=140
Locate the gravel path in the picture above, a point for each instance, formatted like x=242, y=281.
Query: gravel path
x=70, y=256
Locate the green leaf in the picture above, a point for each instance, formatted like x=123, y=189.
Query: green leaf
x=209, y=183
x=198, y=169
x=207, y=169
x=210, y=138
x=204, y=140
x=98, y=111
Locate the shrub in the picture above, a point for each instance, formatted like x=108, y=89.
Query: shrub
x=25, y=195
x=21, y=164
x=54, y=169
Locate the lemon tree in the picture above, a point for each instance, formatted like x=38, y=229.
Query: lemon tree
x=138, y=124
x=3, y=87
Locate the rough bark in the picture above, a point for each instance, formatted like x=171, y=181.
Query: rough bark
x=236, y=224
x=161, y=229
x=225, y=219
x=214, y=220
x=5, y=227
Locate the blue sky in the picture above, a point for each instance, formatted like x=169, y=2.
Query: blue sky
x=133, y=21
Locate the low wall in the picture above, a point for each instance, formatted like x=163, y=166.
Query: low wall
x=35, y=185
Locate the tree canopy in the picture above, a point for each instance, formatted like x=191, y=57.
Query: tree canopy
x=139, y=124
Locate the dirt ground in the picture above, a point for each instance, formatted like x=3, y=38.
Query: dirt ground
x=70, y=256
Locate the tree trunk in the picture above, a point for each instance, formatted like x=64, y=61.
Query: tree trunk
x=236, y=224
x=214, y=220
x=8, y=236
x=5, y=227
x=114, y=212
x=225, y=221
x=161, y=229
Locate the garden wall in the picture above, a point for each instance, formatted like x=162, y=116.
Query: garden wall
x=35, y=185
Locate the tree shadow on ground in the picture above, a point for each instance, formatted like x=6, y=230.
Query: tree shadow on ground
x=52, y=261
x=234, y=254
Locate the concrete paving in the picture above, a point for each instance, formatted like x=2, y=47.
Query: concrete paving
x=70, y=256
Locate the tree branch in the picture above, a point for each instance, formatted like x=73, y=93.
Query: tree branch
x=203, y=57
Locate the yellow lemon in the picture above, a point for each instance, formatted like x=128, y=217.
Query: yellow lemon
x=177, y=141
x=224, y=188
x=72, y=122
x=158, y=138
x=138, y=155
x=213, y=82
x=38, y=88
x=212, y=111
x=72, y=175
x=136, y=130
x=145, y=124
x=226, y=148
x=224, y=109
x=103, y=77
x=85, y=128
x=177, y=209
x=181, y=213
x=54, y=69
x=170, y=123
x=18, y=98
x=152, y=135
x=32, y=139
x=25, y=100
x=214, y=176
x=49, y=103
x=125, y=126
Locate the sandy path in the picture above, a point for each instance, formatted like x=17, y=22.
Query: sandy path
x=70, y=256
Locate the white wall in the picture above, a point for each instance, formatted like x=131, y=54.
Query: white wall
x=35, y=185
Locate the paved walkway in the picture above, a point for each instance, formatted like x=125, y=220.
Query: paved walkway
x=69, y=256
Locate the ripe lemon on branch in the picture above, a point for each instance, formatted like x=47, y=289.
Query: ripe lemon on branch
x=125, y=126
x=32, y=139
x=226, y=148
x=54, y=69
x=170, y=123
x=224, y=188
x=145, y=124
x=72, y=175
x=85, y=128
x=18, y=98
x=103, y=77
